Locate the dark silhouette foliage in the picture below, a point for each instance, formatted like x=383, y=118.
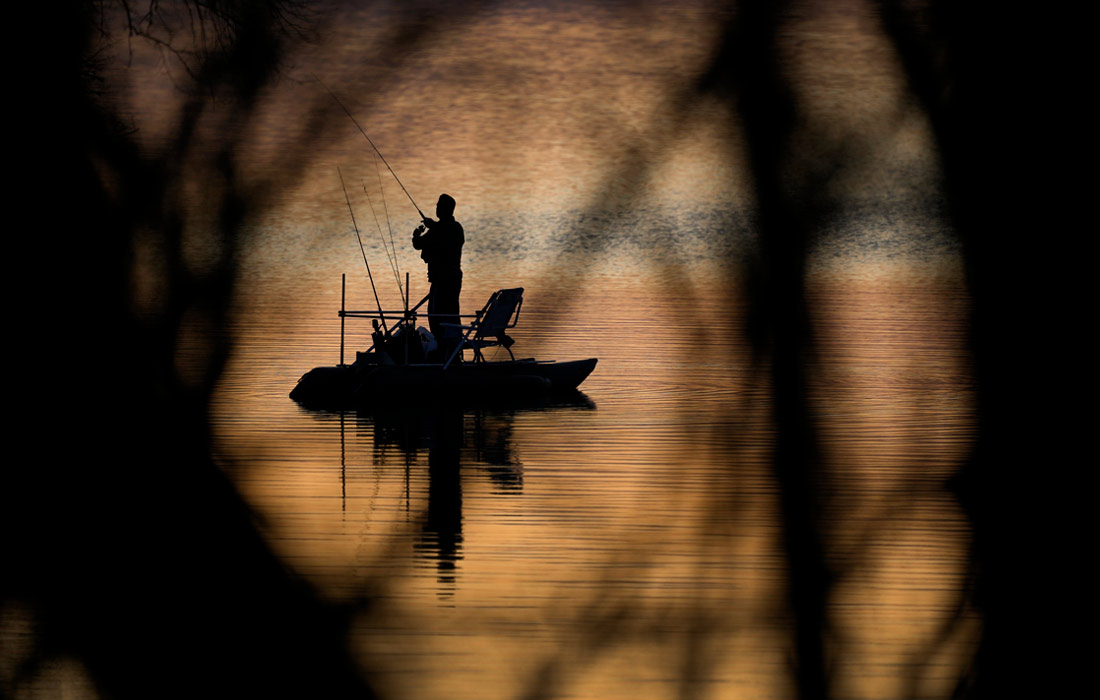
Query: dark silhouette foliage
x=124, y=545
x=170, y=591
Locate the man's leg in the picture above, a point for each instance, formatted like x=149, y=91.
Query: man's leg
x=435, y=325
x=447, y=305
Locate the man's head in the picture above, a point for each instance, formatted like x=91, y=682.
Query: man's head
x=445, y=207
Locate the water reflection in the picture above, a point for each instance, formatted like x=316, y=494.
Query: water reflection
x=194, y=548
x=459, y=442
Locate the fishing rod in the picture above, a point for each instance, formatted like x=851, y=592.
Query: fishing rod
x=361, y=250
x=389, y=226
x=364, y=133
x=392, y=258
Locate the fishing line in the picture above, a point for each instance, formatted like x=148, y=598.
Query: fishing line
x=389, y=227
x=361, y=250
x=364, y=133
x=382, y=237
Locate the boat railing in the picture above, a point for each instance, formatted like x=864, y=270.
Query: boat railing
x=409, y=316
x=400, y=315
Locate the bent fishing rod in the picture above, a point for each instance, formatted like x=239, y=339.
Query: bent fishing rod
x=364, y=133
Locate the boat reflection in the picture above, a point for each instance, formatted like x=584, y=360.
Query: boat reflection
x=462, y=442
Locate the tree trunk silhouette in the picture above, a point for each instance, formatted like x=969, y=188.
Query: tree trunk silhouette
x=1004, y=122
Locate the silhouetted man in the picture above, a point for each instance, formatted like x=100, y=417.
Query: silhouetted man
x=441, y=248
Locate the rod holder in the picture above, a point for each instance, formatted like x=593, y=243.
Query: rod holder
x=343, y=296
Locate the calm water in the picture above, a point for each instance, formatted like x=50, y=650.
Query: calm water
x=626, y=544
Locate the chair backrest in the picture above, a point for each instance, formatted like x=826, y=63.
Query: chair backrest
x=498, y=312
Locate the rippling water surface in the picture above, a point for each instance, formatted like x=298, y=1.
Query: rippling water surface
x=625, y=542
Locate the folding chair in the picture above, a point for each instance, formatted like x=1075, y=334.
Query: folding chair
x=500, y=313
